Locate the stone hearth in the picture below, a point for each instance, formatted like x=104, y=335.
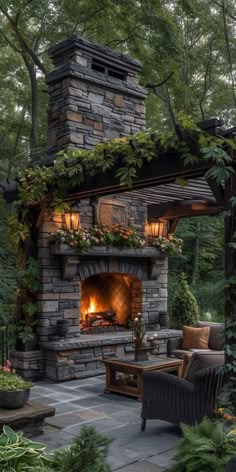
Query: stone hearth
x=81, y=358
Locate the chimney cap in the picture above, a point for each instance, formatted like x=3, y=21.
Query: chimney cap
x=96, y=51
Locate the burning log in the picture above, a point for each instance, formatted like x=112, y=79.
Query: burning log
x=101, y=317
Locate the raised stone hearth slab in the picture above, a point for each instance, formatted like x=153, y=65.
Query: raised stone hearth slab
x=80, y=358
x=29, y=419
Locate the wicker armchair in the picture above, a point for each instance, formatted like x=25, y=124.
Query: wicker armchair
x=176, y=400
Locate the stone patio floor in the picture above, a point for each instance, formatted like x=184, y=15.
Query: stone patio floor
x=82, y=402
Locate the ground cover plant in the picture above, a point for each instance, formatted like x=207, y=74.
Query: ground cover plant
x=87, y=453
x=207, y=447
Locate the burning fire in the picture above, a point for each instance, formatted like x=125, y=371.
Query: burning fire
x=92, y=305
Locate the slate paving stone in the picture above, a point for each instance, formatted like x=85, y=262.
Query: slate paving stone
x=153, y=444
x=141, y=466
x=55, y=440
x=165, y=459
x=83, y=402
x=90, y=401
x=63, y=408
x=41, y=391
x=70, y=419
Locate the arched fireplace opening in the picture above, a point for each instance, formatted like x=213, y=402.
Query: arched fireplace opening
x=109, y=301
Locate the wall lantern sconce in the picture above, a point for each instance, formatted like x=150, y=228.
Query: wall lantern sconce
x=72, y=219
x=156, y=229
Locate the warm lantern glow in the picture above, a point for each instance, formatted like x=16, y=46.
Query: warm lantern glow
x=72, y=220
x=155, y=229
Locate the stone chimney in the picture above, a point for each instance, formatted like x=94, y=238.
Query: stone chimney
x=93, y=95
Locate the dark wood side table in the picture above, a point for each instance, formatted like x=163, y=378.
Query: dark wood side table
x=126, y=375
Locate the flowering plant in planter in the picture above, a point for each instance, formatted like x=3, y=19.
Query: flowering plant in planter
x=100, y=235
x=171, y=245
x=116, y=235
x=14, y=391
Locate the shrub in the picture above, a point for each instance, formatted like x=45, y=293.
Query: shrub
x=86, y=454
x=184, y=305
x=205, y=447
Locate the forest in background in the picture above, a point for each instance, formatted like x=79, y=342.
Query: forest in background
x=188, y=49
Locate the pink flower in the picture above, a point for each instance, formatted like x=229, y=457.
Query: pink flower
x=8, y=363
x=13, y=371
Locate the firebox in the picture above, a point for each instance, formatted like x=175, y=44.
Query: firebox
x=109, y=300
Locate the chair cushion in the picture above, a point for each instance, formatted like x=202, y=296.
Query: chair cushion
x=180, y=353
x=195, y=338
x=216, y=337
x=202, y=360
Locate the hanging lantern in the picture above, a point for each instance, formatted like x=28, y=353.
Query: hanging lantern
x=156, y=229
x=72, y=219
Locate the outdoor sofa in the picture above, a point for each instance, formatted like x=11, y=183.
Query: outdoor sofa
x=175, y=345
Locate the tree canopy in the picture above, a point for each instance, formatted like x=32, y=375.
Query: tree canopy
x=188, y=51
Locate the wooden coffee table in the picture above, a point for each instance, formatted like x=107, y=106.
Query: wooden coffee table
x=126, y=376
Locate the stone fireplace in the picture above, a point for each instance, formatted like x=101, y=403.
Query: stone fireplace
x=109, y=300
x=93, y=95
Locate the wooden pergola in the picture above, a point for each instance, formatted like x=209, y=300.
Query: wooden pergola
x=158, y=184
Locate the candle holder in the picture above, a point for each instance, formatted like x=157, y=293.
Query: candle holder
x=142, y=344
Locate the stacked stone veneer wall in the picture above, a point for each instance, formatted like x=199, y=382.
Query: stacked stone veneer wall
x=88, y=105
x=60, y=299
x=93, y=96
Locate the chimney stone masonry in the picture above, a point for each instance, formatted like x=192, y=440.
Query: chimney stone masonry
x=93, y=95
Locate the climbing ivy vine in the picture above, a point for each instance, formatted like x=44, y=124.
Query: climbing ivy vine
x=51, y=184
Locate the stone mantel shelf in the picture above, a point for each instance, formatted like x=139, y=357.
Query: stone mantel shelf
x=71, y=256
x=91, y=340
x=103, y=251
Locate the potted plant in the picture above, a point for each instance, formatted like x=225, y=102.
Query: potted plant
x=14, y=391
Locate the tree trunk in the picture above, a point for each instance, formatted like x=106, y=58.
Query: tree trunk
x=34, y=112
x=34, y=107
x=196, y=254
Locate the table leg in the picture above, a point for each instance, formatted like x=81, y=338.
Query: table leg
x=179, y=370
x=139, y=386
x=108, y=379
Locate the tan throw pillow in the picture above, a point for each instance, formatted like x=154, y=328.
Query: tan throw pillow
x=195, y=338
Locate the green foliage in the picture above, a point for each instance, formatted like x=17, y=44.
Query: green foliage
x=8, y=271
x=19, y=454
x=87, y=453
x=11, y=381
x=184, y=306
x=202, y=260
x=100, y=235
x=29, y=277
x=41, y=184
x=205, y=447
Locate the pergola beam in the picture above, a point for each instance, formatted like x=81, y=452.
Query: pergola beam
x=183, y=209
x=163, y=170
